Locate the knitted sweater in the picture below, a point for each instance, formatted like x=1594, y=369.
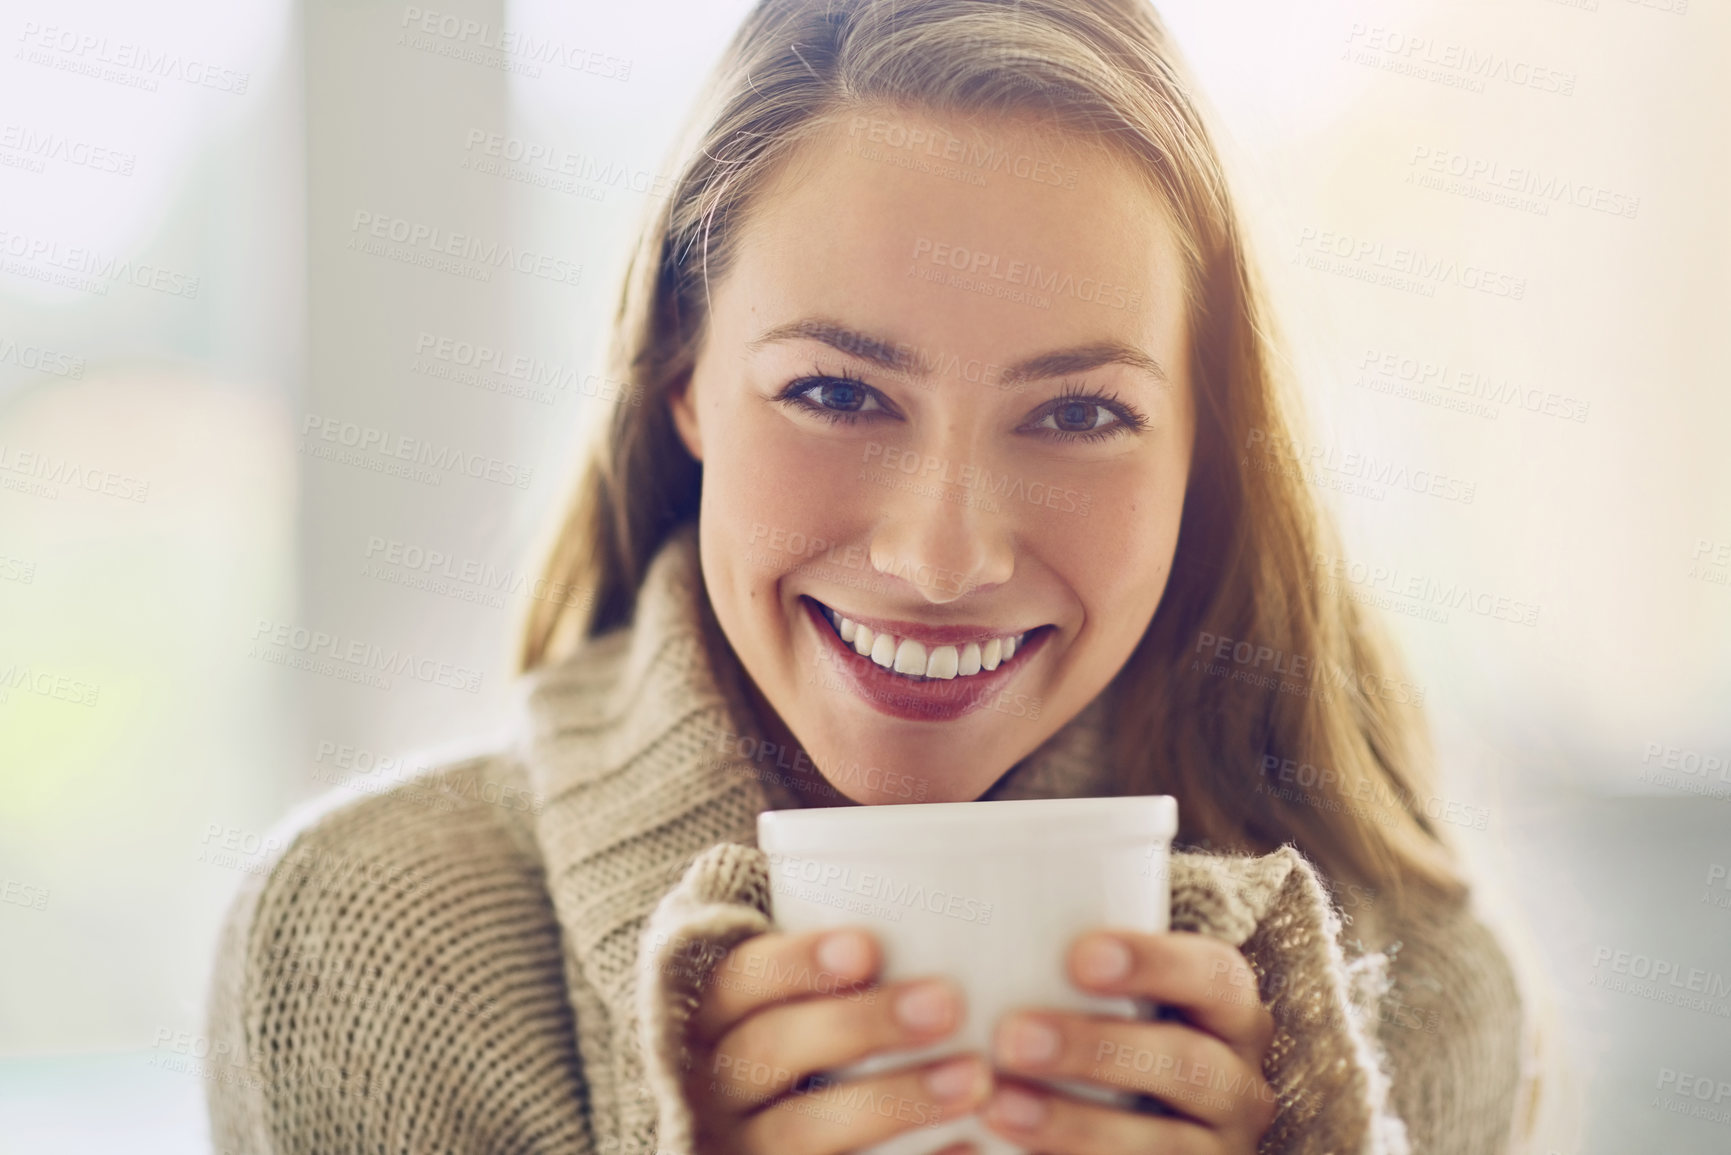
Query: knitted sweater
x=499, y=955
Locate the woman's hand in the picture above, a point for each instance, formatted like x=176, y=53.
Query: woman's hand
x=779, y=1008
x=1206, y=1066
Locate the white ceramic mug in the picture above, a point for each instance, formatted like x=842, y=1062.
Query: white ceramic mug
x=989, y=894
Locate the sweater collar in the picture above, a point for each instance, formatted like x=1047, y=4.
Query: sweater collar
x=634, y=742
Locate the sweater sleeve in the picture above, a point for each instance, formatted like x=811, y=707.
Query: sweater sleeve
x=1325, y=1063
x=722, y=899
x=1451, y=1025
x=392, y=978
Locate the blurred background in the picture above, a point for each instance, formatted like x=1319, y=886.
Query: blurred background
x=1498, y=228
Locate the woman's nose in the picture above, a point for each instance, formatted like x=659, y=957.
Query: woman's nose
x=939, y=530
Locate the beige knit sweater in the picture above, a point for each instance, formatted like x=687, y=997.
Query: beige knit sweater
x=499, y=956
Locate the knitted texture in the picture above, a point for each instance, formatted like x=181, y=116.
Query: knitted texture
x=722, y=900
x=444, y=968
x=1323, y=1063
x=391, y=982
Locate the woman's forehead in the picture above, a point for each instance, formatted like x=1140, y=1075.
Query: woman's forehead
x=924, y=254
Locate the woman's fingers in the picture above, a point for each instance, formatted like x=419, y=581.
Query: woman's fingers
x=772, y=968
x=1193, y=1072
x=1043, y=1121
x=838, y=1117
x=768, y=1052
x=1209, y=982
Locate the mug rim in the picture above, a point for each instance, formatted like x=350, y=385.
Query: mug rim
x=831, y=829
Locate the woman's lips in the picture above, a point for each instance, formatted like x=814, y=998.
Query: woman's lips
x=917, y=698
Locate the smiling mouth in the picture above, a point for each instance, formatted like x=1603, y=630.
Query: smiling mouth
x=916, y=661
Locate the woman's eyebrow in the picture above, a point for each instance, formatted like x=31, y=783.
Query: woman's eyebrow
x=912, y=361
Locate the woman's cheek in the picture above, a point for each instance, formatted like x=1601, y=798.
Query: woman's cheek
x=789, y=492
x=1117, y=548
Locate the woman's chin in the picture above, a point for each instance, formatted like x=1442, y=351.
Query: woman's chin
x=873, y=775
x=938, y=792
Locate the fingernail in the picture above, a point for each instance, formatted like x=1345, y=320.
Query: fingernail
x=1100, y=959
x=955, y=1080
x=1025, y=1042
x=926, y=1006
x=845, y=954
x=1014, y=1107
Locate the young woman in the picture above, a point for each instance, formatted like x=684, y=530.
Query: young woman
x=953, y=472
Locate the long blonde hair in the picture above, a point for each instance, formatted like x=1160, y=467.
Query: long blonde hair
x=1264, y=700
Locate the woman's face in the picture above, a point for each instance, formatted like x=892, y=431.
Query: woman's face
x=953, y=413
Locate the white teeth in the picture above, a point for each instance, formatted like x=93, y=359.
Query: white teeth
x=969, y=662
x=913, y=659
x=943, y=663
x=910, y=657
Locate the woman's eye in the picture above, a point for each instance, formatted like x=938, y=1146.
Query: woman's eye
x=1079, y=416
x=833, y=398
